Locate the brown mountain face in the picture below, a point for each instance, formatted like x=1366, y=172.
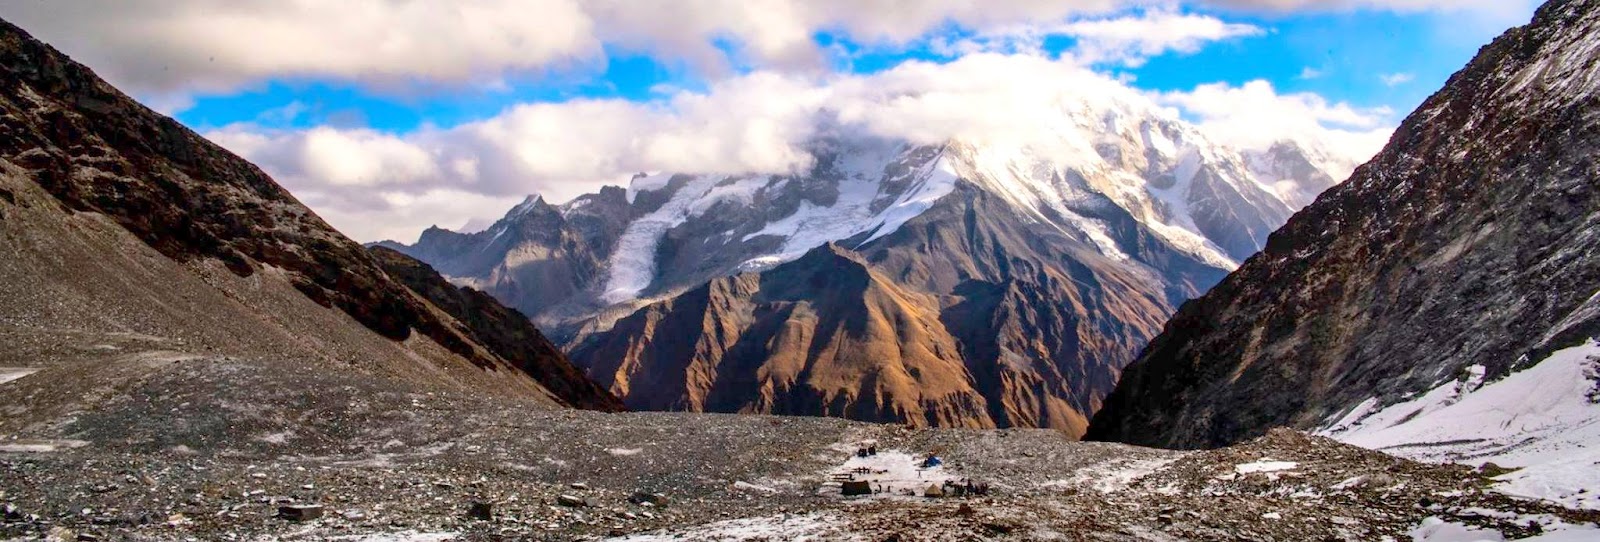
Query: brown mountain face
x=1472, y=239
x=963, y=317
x=1045, y=322
x=823, y=335
x=107, y=204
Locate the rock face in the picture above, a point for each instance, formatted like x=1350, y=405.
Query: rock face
x=503, y=330
x=986, y=283
x=1472, y=239
x=823, y=335
x=117, y=219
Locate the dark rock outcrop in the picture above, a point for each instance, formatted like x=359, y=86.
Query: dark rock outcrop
x=1472, y=239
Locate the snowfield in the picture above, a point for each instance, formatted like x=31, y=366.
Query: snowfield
x=1543, y=421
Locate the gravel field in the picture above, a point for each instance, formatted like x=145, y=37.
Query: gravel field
x=129, y=438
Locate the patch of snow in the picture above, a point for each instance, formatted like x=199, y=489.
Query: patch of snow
x=40, y=445
x=742, y=485
x=8, y=374
x=1113, y=476
x=742, y=191
x=281, y=437
x=624, y=451
x=851, y=213
x=794, y=527
x=937, y=183
x=398, y=536
x=1435, y=529
x=1264, y=465
x=633, y=262
x=1543, y=420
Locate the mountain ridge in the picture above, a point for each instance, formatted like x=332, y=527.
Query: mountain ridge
x=1067, y=252
x=1468, y=241
x=87, y=162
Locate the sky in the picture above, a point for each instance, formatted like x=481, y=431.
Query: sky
x=388, y=116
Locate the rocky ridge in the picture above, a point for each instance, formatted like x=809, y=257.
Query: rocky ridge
x=1469, y=241
x=114, y=218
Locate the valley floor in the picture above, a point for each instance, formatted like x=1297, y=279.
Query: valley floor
x=124, y=437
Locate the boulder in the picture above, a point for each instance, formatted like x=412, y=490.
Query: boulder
x=300, y=512
x=855, y=487
x=652, y=499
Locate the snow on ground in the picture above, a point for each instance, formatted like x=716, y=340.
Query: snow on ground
x=401, y=536
x=8, y=374
x=1544, y=420
x=793, y=527
x=1264, y=465
x=40, y=445
x=1113, y=476
x=1434, y=529
x=897, y=472
x=310, y=532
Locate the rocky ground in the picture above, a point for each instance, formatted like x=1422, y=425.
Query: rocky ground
x=208, y=448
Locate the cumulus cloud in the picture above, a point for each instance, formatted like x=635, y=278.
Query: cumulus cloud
x=1396, y=79
x=1127, y=40
x=1255, y=115
x=374, y=185
x=1489, y=6
x=161, y=47
x=166, y=50
x=1130, y=40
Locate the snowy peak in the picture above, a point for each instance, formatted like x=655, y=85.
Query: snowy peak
x=1111, y=171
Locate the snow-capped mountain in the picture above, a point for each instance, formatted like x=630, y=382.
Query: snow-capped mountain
x=1117, y=213
x=1442, y=303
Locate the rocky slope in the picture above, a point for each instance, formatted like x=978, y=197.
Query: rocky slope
x=503, y=330
x=1471, y=240
x=1036, y=270
x=117, y=220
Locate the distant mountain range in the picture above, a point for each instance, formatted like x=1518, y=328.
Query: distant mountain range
x=959, y=284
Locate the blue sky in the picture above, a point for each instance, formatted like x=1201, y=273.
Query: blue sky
x=1343, y=56
x=387, y=116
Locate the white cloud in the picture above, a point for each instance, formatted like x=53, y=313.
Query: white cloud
x=374, y=185
x=1255, y=115
x=1396, y=79
x=1482, y=6
x=1127, y=40
x=156, y=47
x=1309, y=73
x=169, y=49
